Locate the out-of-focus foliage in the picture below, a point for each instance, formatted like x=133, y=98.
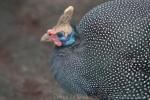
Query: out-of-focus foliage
x=24, y=70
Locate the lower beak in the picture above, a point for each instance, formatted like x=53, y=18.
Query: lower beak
x=45, y=38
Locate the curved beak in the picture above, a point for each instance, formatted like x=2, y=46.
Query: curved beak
x=45, y=38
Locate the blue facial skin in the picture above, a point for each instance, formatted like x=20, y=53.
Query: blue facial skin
x=70, y=39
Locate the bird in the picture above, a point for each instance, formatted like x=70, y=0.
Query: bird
x=107, y=54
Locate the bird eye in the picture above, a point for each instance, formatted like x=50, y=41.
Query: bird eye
x=60, y=34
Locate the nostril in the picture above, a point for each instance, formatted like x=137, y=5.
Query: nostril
x=49, y=34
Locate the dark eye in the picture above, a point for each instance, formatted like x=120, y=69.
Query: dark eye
x=60, y=34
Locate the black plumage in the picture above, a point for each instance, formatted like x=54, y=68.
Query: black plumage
x=111, y=56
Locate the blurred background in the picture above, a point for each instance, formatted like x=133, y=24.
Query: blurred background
x=24, y=70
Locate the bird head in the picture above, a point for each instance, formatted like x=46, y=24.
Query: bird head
x=62, y=33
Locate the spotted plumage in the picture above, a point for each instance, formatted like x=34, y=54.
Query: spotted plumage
x=111, y=56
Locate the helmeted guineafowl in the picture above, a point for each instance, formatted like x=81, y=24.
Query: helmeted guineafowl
x=108, y=54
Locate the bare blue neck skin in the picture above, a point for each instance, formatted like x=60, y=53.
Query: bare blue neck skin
x=66, y=41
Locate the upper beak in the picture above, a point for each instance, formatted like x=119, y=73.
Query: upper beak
x=45, y=38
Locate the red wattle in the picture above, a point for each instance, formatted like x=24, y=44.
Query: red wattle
x=55, y=39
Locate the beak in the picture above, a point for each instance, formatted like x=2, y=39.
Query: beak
x=45, y=38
